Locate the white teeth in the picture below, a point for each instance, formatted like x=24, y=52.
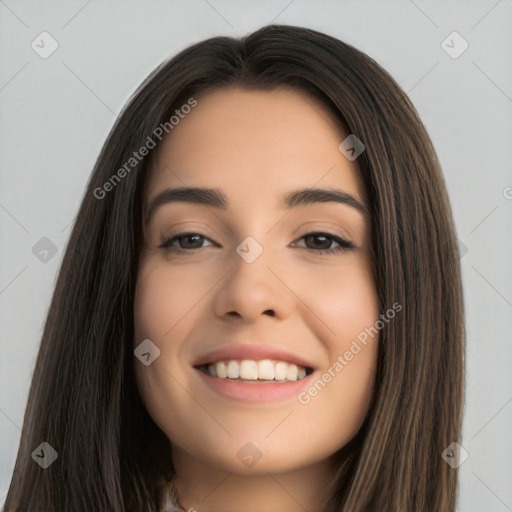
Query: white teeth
x=221, y=369
x=280, y=370
x=292, y=372
x=233, y=370
x=265, y=370
x=248, y=369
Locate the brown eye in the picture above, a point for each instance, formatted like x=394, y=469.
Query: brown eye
x=190, y=241
x=318, y=241
x=322, y=243
x=184, y=242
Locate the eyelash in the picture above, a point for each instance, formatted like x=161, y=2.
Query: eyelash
x=343, y=244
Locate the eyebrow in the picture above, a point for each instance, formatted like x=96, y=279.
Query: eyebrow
x=217, y=199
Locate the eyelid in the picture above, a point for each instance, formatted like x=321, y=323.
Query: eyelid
x=177, y=229
x=344, y=244
x=334, y=229
x=174, y=235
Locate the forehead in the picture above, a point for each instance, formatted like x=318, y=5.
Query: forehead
x=255, y=143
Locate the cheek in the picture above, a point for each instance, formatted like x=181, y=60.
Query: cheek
x=163, y=305
x=152, y=298
x=347, y=307
x=161, y=301
x=344, y=300
x=164, y=296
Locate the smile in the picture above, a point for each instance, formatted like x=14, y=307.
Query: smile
x=255, y=373
x=251, y=370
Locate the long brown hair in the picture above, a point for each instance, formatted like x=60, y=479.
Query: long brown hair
x=83, y=400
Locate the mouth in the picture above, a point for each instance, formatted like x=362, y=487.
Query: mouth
x=254, y=373
x=261, y=371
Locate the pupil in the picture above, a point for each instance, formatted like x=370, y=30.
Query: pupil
x=320, y=237
x=189, y=237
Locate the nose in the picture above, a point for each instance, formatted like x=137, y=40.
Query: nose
x=250, y=290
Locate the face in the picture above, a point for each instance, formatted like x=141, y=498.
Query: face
x=250, y=284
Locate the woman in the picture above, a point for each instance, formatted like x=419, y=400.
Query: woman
x=260, y=306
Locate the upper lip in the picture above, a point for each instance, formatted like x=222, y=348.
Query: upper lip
x=251, y=351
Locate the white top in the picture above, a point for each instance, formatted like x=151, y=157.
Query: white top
x=169, y=501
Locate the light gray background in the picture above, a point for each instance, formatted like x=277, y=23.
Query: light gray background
x=56, y=113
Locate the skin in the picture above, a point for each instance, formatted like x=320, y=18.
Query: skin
x=255, y=146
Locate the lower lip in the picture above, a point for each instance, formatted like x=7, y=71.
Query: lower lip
x=258, y=391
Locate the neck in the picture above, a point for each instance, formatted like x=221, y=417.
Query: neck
x=207, y=489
